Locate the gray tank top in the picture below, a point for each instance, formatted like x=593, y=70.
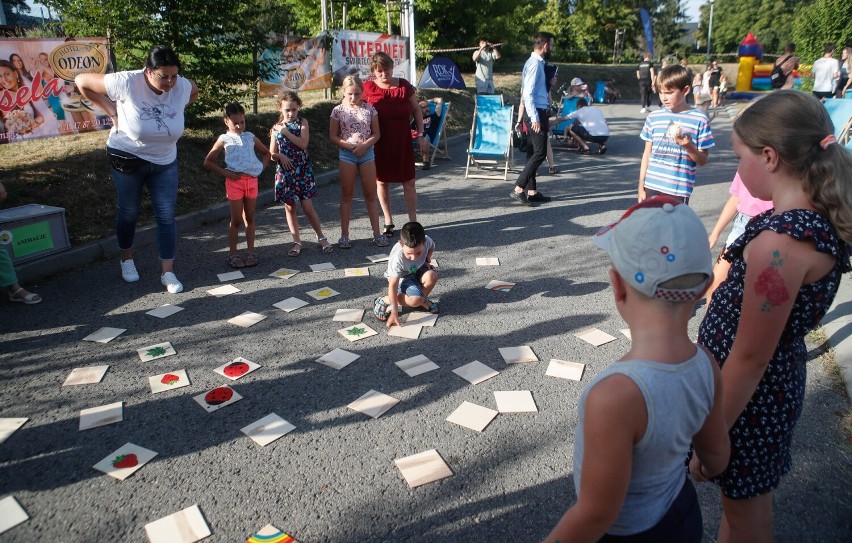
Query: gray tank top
x=678, y=398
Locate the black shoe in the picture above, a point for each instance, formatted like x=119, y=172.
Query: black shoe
x=602, y=149
x=427, y=165
x=520, y=197
x=538, y=197
x=583, y=151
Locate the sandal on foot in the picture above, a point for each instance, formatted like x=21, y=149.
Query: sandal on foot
x=30, y=298
x=388, y=233
x=325, y=245
x=296, y=250
x=430, y=306
x=381, y=309
x=381, y=241
x=235, y=261
x=251, y=260
x=552, y=170
x=344, y=243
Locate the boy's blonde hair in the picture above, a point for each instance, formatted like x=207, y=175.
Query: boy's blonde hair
x=798, y=127
x=673, y=77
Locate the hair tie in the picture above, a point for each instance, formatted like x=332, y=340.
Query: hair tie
x=828, y=140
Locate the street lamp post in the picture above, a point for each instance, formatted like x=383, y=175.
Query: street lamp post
x=710, y=30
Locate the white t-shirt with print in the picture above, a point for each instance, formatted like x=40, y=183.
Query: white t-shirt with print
x=239, y=153
x=149, y=124
x=399, y=266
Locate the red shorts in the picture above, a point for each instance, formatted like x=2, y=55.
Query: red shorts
x=244, y=187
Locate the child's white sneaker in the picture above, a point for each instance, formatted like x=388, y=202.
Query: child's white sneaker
x=170, y=281
x=128, y=271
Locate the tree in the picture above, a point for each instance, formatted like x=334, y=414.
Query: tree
x=668, y=19
x=820, y=22
x=769, y=20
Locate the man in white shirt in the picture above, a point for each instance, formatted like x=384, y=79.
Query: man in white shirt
x=536, y=104
x=826, y=72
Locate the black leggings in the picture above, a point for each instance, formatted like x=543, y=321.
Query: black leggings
x=645, y=93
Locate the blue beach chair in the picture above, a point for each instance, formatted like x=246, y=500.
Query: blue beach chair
x=490, y=139
x=569, y=105
x=840, y=111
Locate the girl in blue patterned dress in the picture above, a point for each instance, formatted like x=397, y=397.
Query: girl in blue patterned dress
x=785, y=271
x=294, y=175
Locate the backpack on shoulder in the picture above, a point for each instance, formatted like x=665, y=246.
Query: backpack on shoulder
x=777, y=77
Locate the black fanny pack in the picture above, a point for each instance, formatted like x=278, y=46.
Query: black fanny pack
x=123, y=161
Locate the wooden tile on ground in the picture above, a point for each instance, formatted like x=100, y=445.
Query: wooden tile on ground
x=85, y=376
x=422, y=468
x=373, y=404
x=236, y=369
x=357, y=331
x=472, y=416
x=104, y=335
x=325, y=266
x=500, y=286
x=322, y=293
x=348, y=315
x=595, y=337
x=247, y=319
x=186, y=526
x=224, y=290
x=268, y=429
x=565, y=370
x=338, y=359
x=283, y=273
x=518, y=355
x=8, y=426
x=165, y=311
x=356, y=272
x=290, y=304
x=406, y=330
x=125, y=461
x=153, y=352
x=11, y=514
x=270, y=534
x=168, y=381
x=475, y=372
x=378, y=258
x=416, y=365
x=217, y=398
x=422, y=318
x=230, y=276
x=487, y=261
x=515, y=401
x=101, y=415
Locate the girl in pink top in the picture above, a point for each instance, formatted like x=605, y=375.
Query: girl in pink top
x=354, y=129
x=740, y=208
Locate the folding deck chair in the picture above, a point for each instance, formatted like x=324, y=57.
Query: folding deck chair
x=440, y=136
x=493, y=99
x=840, y=111
x=569, y=105
x=490, y=139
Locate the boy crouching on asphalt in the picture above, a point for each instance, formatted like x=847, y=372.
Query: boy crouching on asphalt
x=411, y=276
x=638, y=416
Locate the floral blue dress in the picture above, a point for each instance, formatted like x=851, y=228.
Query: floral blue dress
x=761, y=436
x=292, y=186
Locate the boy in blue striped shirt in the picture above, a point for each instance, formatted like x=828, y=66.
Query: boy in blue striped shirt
x=677, y=140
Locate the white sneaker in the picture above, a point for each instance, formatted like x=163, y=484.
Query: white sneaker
x=171, y=283
x=643, y=110
x=128, y=271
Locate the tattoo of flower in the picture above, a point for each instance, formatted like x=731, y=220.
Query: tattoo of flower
x=771, y=284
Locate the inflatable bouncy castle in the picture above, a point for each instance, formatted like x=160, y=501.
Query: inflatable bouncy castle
x=752, y=76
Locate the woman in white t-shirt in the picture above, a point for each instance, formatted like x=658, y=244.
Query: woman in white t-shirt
x=147, y=111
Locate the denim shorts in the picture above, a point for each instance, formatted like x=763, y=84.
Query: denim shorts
x=349, y=157
x=412, y=285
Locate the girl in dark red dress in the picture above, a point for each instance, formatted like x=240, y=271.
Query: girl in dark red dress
x=394, y=98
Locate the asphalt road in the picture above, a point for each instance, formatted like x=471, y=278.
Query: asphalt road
x=333, y=478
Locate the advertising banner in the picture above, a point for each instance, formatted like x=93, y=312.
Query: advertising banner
x=38, y=98
x=297, y=64
x=352, y=51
